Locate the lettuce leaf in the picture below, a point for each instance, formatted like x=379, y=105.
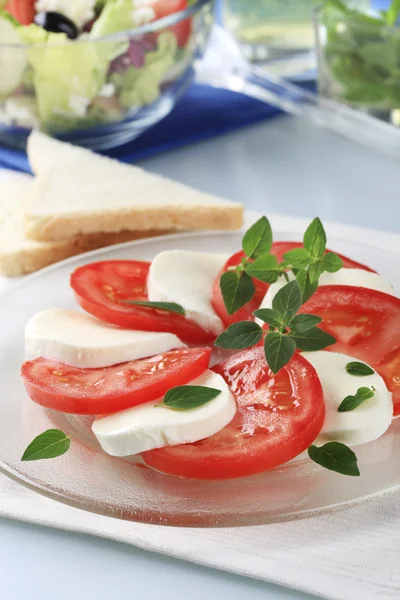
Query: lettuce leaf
x=141, y=86
x=66, y=75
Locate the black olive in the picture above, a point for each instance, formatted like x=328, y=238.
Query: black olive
x=57, y=23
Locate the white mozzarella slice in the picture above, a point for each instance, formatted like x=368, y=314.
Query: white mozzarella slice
x=365, y=423
x=78, y=340
x=187, y=278
x=149, y=426
x=353, y=277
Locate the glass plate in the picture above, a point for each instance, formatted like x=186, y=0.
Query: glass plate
x=87, y=478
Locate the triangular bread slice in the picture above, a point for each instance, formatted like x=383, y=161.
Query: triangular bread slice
x=79, y=192
x=19, y=255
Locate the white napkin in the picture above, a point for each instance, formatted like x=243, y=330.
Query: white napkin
x=345, y=555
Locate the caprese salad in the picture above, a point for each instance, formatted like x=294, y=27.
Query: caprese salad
x=211, y=366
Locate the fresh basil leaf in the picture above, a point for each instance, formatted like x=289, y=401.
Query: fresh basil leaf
x=335, y=457
x=187, y=397
x=278, y=349
x=315, y=239
x=237, y=290
x=306, y=287
x=392, y=13
x=264, y=268
x=167, y=306
x=312, y=340
x=269, y=315
x=314, y=273
x=298, y=258
x=287, y=301
x=359, y=369
x=301, y=323
x=257, y=241
x=331, y=262
x=352, y=402
x=244, y=334
x=49, y=444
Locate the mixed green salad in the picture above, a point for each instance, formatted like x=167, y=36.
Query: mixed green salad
x=361, y=54
x=58, y=73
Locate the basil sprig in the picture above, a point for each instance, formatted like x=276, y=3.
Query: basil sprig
x=237, y=287
x=307, y=264
x=287, y=330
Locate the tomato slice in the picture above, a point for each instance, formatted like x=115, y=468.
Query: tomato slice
x=366, y=325
x=279, y=416
x=111, y=389
x=22, y=10
x=246, y=313
x=101, y=289
x=183, y=29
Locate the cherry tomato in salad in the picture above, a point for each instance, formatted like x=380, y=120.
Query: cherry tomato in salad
x=22, y=10
x=366, y=325
x=182, y=30
x=101, y=289
x=111, y=389
x=279, y=416
x=246, y=313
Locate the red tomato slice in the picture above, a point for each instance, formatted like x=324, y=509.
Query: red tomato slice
x=366, y=325
x=183, y=29
x=101, y=288
x=278, y=418
x=111, y=389
x=246, y=313
x=22, y=10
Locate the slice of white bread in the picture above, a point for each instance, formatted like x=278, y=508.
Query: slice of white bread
x=79, y=192
x=19, y=255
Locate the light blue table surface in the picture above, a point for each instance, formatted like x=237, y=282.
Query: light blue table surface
x=285, y=166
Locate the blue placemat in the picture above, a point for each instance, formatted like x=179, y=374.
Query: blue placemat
x=203, y=112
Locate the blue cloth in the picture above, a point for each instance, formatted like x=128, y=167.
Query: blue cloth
x=203, y=112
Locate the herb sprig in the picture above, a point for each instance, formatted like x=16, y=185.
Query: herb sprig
x=286, y=330
x=306, y=263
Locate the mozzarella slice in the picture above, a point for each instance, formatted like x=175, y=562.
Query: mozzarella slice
x=187, y=278
x=149, y=426
x=78, y=340
x=365, y=423
x=353, y=277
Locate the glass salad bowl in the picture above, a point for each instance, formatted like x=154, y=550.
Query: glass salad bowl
x=98, y=90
